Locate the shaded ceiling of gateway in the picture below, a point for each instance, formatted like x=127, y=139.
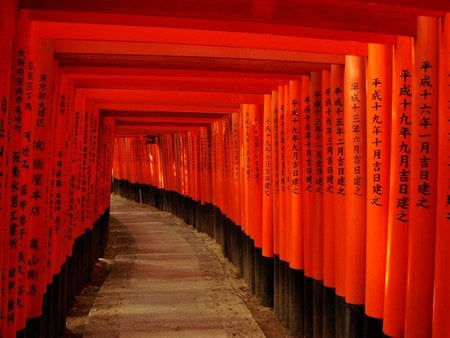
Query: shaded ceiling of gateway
x=141, y=61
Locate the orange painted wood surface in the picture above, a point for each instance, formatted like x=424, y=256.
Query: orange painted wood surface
x=424, y=162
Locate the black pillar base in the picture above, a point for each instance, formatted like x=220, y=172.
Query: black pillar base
x=339, y=307
x=281, y=292
x=296, y=300
x=329, y=321
x=308, y=307
x=286, y=294
x=354, y=320
x=373, y=327
x=257, y=263
x=267, y=287
x=317, y=308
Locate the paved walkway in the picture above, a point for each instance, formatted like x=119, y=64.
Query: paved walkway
x=165, y=282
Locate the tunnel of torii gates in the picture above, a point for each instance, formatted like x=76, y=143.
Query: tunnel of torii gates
x=310, y=139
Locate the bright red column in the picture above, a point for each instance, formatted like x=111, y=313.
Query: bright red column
x=7, y=19
x=328, y=182
x=355, y=174
x=267, y=202
x=399, y=197
x=441, y=324
x=379, y=98
x=246, y=167
x=275, y=171
x=257, y=174
x=338, y=144
x=307, y=175
x=315, y=94
x=286, y=160
x=281, y=173
x=296, y=163
x=236, y=167
x=424, y=145
x=19, y=178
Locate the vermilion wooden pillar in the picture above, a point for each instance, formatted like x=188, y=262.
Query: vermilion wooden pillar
x=188, y=160
x=286, y=146
x=399, y=194
x=18, y=180
x=236, y=182
x=307, y=203
x=172, y=168
x=42, y=162
x=8, y=16
x=202, y=157
x=339, y=183
x=84, y=207
x=295, y=232
x=153, y=178
x=106, y=144
x=337, y=125
x=208, y=164
x=315, y=93
x=133, y=165
x=179, y=173
x=144, y=154
x=328, y=190
x=228, y=171
x=281, y=172
x=190, y=164
x=250, y=226
x=267, y=260
x=159, y=166
x=75, y=177
x=275, y=171
x=282, y=206
x=67, y=118
x=307, y=177
x=121, y=151
x=221, y=158
x=215, y=163
x=277, y=209
x=327, y=182
x=246, y=167
x=93, y=188
x=441, y=324
x=267, y=209
x=379, y=98
x=7, y=27
x=223, y=164
x=139, y=160
x=167, y=165
x=355, y=189
x=116, y=161
x=181, y=146
x=257, y=174
x=424, y=159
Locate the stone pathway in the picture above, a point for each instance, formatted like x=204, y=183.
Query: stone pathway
x=165, y=282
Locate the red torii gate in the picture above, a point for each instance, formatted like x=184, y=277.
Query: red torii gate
x=218, y=59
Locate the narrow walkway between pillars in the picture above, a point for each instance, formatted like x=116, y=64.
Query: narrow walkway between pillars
x=165, y=282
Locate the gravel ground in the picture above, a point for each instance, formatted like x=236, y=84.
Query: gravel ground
x=96, y=310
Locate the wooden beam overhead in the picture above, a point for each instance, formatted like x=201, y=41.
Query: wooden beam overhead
x=384, y=17
x=190, y=63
